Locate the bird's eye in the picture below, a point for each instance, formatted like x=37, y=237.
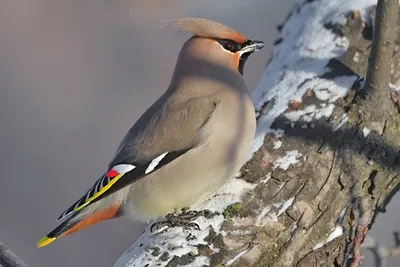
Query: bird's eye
x=228, y=45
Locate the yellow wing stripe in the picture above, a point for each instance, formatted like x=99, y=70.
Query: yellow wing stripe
x=101, y=191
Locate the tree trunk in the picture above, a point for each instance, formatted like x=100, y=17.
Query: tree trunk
x=326, y=161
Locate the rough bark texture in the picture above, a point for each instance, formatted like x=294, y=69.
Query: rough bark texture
x=345, y=176
x=342, y=170
x=374, y=96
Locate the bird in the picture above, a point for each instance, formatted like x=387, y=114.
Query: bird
x=187, y=144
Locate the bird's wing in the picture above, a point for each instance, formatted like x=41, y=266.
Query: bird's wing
x=144, y=151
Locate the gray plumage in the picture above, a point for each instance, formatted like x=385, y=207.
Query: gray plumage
x=204, y=125
x=206, y=108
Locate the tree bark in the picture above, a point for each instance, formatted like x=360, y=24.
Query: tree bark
x=375, y=96
x=339, y=175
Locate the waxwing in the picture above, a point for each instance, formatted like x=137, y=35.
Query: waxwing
x=187, y=145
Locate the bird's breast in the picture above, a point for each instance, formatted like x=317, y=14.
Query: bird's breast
x=202, y=170
x=232, y=126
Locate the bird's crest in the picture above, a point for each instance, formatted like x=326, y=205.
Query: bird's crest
x=205, y=28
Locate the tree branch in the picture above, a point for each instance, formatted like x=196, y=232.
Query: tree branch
x=375, y=92
x=373, y=104
x=378, y=75
x=8, y=258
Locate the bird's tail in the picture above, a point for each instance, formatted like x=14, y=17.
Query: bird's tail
x=78, y=222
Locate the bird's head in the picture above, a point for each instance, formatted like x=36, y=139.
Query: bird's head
x=215, y=43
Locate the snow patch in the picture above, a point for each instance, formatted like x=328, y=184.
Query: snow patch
x=198, y=261
x=230, y=193
x=266, y=179
x=240, y=232
x=342, y=122
x=394, y=87
x=214, y=249
x=300, y=60
x=263, y=213
x=231, y=261
x=294, y=227
x=324, y=112
x=283, y=206
x=175, y=240
x=366, y=131
x=277, y=144
x=279, y=133
x=289, y=159
x=338, y=231
x=266, y=216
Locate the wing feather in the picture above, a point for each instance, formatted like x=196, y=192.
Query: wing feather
x=108, y=184
x=143, y=151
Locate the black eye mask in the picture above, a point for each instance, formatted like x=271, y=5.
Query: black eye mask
x=232, y=46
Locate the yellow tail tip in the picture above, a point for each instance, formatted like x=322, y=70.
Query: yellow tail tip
x=45, y=241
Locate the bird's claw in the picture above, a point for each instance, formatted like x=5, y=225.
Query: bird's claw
x=184, y=219
x=174, y=222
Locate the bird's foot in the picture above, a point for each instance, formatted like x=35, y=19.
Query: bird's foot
x=184, y=219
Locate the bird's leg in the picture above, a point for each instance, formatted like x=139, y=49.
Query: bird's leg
x=183, y=219
x=191, y=215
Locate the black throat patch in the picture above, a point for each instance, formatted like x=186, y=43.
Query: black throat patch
x=242, y=61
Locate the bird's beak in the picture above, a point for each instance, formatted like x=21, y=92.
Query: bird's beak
x=247, y=48
x=251, y=46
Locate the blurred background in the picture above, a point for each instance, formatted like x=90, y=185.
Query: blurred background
x=74, y=76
